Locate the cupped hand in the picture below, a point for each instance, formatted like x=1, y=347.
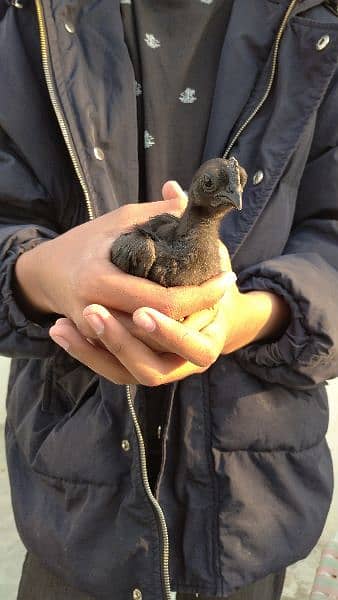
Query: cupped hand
x=66, y=274
x=126, y=355
x=155, y=349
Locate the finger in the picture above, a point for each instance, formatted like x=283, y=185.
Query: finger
x=127, y=293
x=133, y=214
x=220, y=324
x=141, y=212
x=172, y=190
x=196, y=321
x=180, y=339
x=127, y=321
x=148, y=367
x=66, y=335
x=180, y=302
x=201, y=319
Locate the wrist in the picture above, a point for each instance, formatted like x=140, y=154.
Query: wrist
x=28, y=286
x=260, y=316
x=272, y=315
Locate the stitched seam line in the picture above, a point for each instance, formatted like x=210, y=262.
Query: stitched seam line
x=273, y=450
x=54, y=477
x=215, y=490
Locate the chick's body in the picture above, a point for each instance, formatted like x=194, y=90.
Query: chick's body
x=184, y=251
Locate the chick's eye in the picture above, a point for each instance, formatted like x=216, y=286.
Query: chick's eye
x=208, y=183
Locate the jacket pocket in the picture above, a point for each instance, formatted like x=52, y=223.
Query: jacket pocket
x=68, y=384
x=251, y=415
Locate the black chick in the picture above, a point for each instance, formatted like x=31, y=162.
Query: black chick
x=185, y=251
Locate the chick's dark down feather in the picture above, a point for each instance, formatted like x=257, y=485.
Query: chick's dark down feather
x=184, y=251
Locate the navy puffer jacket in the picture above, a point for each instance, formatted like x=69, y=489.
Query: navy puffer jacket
x=246, y=477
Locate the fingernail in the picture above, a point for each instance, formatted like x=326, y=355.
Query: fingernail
x=177, y=188
x=96, y=309
x=60, y=341
x=96, y=323
x=175, y=184
x=142, y=319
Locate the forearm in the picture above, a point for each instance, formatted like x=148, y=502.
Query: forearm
x=259, y=316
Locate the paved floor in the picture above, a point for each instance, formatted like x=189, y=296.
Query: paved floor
x=11, y=549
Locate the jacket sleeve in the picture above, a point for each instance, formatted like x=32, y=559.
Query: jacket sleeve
x=25, y=221
x=306, y=275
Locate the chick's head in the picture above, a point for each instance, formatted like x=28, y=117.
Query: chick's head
x=218, y=185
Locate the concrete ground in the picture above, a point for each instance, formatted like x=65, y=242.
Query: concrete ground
x=300, y=576
x=11, y=549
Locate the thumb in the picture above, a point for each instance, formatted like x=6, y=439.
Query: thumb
x=173, y=193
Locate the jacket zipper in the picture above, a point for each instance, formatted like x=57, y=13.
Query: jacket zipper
x=270, y=81
x=91, y=214
x=164, y=447
x=58, y=110
x=153, y=500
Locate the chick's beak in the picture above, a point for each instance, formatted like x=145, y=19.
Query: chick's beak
x=235, y=197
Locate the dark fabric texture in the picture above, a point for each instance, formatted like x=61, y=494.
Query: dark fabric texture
x=269, y=588
x=156, y=401
x=38, y=583
x=175, y=48
x=246, y=478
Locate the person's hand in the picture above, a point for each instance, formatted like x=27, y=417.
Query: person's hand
x=196, y=320
x=66, y=274
x=125, y=354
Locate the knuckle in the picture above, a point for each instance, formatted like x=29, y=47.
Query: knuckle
x=209, y=356
x=201, y=369
x=213, y=356
x=125, y=214
x=83, y=328
x=83, y=281
x=116, y=347
x=114, y=373
x=185, y=336
x=204, y=362
x=97, y=282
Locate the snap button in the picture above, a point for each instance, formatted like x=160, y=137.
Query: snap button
x=323, y=42
x=125, y=445
x=98, y=153
x=258, y=177
x=70, y=27
x=159, y=431
x=137, y=594
x=15, y=3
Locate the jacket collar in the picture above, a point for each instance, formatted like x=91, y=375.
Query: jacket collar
x=248, y=42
